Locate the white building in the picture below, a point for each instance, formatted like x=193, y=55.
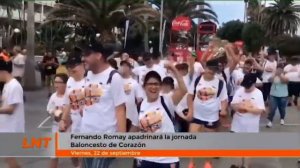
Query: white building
x=41, y=8
x=19, y=16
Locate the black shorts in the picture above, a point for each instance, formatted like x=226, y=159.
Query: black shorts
x=207, y=124
x=266, y=90
x=294, y=89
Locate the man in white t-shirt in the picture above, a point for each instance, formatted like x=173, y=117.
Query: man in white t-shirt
x=269, y=69
x=104, y=110
x=12, y=118
x=248, y=104
x=141, y=71
x=18, y=61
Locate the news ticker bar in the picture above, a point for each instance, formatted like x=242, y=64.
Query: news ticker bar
x=150, y=145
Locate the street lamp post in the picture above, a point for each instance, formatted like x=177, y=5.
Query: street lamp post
x=16, y=32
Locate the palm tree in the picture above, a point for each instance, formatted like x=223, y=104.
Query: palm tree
x=102, y=16
x=281, y=18
x=194, y=9
x=30, y=78
x=174, y=8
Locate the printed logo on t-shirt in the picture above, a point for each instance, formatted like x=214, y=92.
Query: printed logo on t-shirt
x=77, y=99
x=58, y=111
x=152, y=121
x=206, y=93
x=127, y=88
x=93, y=93
x=247, y=103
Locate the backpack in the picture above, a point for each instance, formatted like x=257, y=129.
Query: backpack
x=220, y=86
x=172, y=118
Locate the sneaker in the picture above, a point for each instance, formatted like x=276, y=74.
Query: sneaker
x=269, y=125
x=282, y=121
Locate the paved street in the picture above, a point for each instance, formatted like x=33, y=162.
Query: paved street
x=36, y=113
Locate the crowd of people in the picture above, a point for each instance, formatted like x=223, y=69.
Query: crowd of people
x=223, y=91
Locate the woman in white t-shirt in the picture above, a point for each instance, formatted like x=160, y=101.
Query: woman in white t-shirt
x=156, y=114
x=207, y=94
x=269, y=69
x=55, y=106
x=134, y=95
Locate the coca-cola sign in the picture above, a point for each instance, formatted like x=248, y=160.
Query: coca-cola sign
x=181, y=23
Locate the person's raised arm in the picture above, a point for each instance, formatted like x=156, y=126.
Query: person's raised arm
x=191, y=63
x=233, y=58
x=181, y=90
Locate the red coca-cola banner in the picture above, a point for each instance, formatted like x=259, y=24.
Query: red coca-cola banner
x=181, y=23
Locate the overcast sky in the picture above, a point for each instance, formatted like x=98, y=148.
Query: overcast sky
x=228, y=10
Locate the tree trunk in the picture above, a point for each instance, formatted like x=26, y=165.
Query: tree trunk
x=30, y=82
x=146, y=34
x=146, y=39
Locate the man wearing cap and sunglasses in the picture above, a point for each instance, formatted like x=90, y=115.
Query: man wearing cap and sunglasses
x=104, y=109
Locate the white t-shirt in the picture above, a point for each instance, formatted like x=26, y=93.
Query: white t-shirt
x=156, y=113
x=247, y=122
x=141, y=72
x=267, y=75
x=18, y=65
x=292, y=72
x=75, y=98
x=55, y=103
x=206, y=102
x=13, y=95
x=101, y=100
x=291, y=68
x=132, y=91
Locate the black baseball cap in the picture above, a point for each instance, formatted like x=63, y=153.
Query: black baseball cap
x=147, y=56
x=272, y=51
x=5, y=65
x=249, y=80
x=95, y=46
x=126, y=63
x=74, y=58
x=213, y=64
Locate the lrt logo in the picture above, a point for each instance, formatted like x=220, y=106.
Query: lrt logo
x=42, y=142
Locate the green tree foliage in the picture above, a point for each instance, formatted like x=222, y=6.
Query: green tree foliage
x=282, y=17
x=231, y=31
x=253, y=37
x=287, y=45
